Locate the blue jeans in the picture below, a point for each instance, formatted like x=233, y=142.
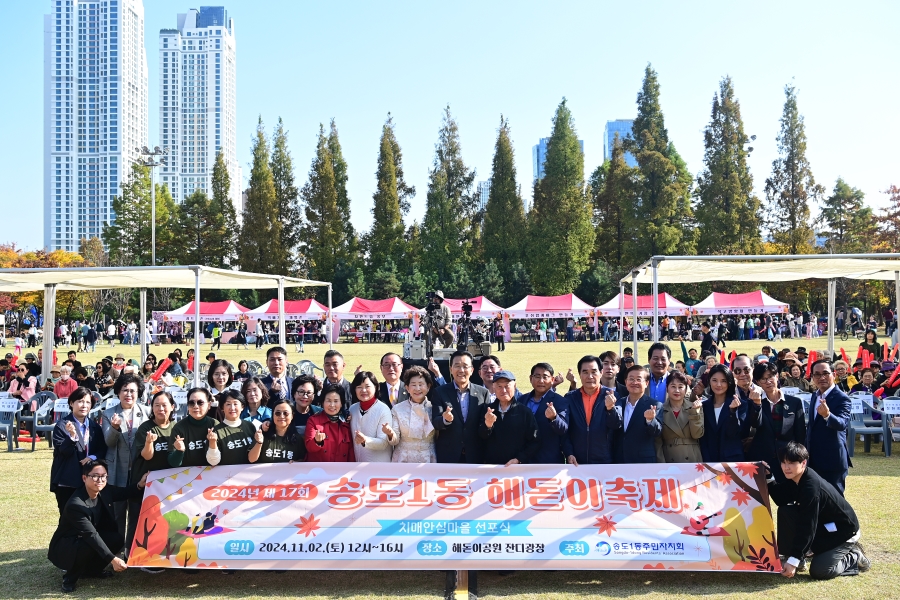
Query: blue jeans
x=570, y=334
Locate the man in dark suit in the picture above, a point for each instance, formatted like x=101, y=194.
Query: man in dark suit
x=814, y=518
x=333, y=364
x=635, y=442
x=551, y=413
x=392, y=390
x=277, y=381
x=826, y=434
x=456, y=414
x=87, y=537
x=777, y=419
x=593, y=418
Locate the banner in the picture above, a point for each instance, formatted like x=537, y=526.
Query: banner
x=695, y=517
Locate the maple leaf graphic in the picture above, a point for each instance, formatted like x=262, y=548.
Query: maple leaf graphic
x=606, y=525
x=740, y=496
x=699, y=468
x=308, y=526
x=747, y=469
x=724, y=478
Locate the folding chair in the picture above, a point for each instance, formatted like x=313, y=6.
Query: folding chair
x=45, y=401
x=308, y=367
x=891, y=408
x=10, y=408
x=860, y=416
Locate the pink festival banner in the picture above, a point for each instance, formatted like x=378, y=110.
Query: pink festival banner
x=694, y=517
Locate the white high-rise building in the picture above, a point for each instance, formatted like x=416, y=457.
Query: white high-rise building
x=484, y=191
x=197, y=102
x=95, y=112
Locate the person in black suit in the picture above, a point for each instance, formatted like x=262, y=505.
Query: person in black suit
x=826, y=434
x=87, y=537
x=333, y=365
x=777, y=419
x=635, y=442
x=723, y=414
x=76, y=441
x=456, y=414
x=508, y=428
x=814, y=518
x=277, y=381
x=551, y=413
x=392, y=391
x=593, y=418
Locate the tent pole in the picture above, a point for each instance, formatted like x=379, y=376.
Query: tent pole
x=897, y=303
x=654, y=265
x=49, y=327
x=634, y=323
x=197, y=358
x=328, y=323
x=832, y=292
x=282, y=331
x=621, y=317
x=142, y=325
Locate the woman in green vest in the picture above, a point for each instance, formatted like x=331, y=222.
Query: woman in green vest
x=191, y=436
x=237, y=442
x=282, y=443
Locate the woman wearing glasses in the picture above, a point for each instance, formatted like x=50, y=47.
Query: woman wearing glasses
x=237, y=442
x=24, y=385
x=304, y=390
x=191, y=436
x=76, y=441
x=257, y=398
x=281, y=443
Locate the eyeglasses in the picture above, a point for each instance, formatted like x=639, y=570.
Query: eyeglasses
x=304, y=393
x=282, y=414
x=821, y=373
x=98, y=478
x=392, y=365
x=744, y=371
x=196, y=402
x=129, y=392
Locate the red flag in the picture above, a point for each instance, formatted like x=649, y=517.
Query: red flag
x=809, y=362
x=732, y=357
x=894, y=351
x=844, y=356
x=163, y=366
x=721, y=357
x=886, y=350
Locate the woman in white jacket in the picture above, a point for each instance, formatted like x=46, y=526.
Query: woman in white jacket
x=368, y=417
x=411, y=432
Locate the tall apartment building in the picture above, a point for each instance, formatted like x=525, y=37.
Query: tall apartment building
x=484, y=191
x=95, y=112
x=622, y=127
x=197, y=102
x=539, y=155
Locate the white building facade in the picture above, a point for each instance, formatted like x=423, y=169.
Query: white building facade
x=95, y=113
x=197, y=102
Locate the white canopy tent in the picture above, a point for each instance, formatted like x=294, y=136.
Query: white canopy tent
x=691, y=269
x=184, y=277
x=750, y=303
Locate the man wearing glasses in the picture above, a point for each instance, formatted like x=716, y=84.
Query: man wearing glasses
x=826, y=433
x=392, y=391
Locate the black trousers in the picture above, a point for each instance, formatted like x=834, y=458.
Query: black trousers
x=88, y=562
x=842, y=560
x=62, y=496
x=134, y=511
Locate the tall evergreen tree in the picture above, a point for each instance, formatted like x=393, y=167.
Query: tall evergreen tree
x=350, y=249
x=792, y=185
x=504, y=217
x=887, y=238
x=449, y=205
x=386, y=239
x=385, y=282
x=202, y=235
x=490, y=282
x=848, y=224
x=221, y=201
x=728, y=213
x=286, y=195
x=560, y=233
x=613, y=194
x=260, y=250
x=663, y=215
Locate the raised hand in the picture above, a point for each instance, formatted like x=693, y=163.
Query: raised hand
x=386, y=428
x=735, y=404
x=70, y=429
x=258, y=436
x=697, y=403
x=432, y=366
x=490, y=418
x=360, y=438
x=151, y=438
x=570, y=376
x=116, y=421
x=822, y=409
x=358, y=370
x=558, y=379
x=448, y=413
x=699, y=389
x=610, y=400
x=265, y=426
x=320, y=437
x=755, y=393
x=550, y=413
x=212, y=438
x=650, y=413
x=178, y=444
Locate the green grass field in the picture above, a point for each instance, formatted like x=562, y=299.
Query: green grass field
x=28, y=518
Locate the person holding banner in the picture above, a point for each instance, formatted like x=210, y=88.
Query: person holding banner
x=192, y=435
x=723, y=413
x=281, y=443
x=237, y=442
x=328, y=437
x=635, y=441
x=826, y=434
x=77, y=440
x=682, y=423
x=813, y=518
x=411, y=433
x=593, y=418
x=367, y=419
x=777, y=418
x=508, y=428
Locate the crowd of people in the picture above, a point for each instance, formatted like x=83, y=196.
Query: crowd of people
x=614, y=412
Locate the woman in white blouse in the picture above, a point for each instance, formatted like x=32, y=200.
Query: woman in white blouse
x=411, y=433
x=368, y=417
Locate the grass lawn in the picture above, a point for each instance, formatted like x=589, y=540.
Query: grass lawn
x=28, y=519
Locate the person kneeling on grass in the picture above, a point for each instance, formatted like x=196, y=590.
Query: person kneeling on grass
x=813, y=518
x=87, y=538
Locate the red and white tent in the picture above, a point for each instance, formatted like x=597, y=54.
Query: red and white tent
x=539, y=307
x=294, y=310
x=481, y=307
x=667, y=306
x=360, y=309
x=739, y=304
x=226, y=310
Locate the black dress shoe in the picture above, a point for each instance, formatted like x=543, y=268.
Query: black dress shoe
x=68, y=586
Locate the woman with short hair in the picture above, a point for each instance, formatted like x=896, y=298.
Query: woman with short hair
x=237, y=442
x=304, y=390
x=328, y=437
x=368, y=417
x=192, y=435
x=76, y=441
x=411, y=433
x=681, y=416
x=243, y=372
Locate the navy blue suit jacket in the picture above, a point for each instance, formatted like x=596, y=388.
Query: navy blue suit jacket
x=826, y=440
x=591, y=444
x=771, y=436
x=67, y=455
x=268, y=380
x=550, y=433
x=637, y=442
x=721, y=441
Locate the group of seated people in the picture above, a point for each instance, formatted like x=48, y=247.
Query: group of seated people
x=621, y=413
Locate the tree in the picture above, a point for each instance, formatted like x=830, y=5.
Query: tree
x=504, y=217
x=260, y=250
x=849, y=227
x=339, y=166
x=560, y=233
x=286, y=196
x=222, y=202
x=662, y=216
x=887, y=238
x=597, y=285
x=459, y=282
x=386, y=239
x=449, y=206
x=385, y=283
x=728, y=213
x=414, y=287
x=613, y=195
x=490, y=282
x=517, y=286
x=202, y=232
x=792, y=185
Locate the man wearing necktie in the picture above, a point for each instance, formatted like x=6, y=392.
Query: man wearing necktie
x=277, y=381
x=392, y=390
x=826, y=434
x=455, y=412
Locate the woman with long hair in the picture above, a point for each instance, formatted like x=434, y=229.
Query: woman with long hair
x=723, y=415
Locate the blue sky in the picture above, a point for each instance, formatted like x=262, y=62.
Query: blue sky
x=308, y=62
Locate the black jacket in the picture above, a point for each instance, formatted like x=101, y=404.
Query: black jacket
x=77, y=525
x=458, y=442
x=550, y=433
x=818, y=504
x=67, y=455
x=721, y=441
x=386, y=398
x=514, y=434
x=637, y=442
x=770, y=435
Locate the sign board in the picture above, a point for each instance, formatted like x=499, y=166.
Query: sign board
x=61, y=406
x=9, y=404
x=892, y=406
